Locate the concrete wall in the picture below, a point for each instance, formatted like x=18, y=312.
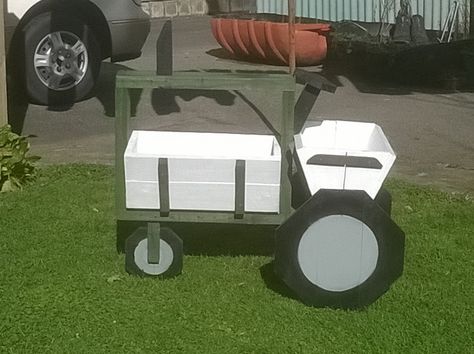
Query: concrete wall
x=172, y=8
x=227, y=6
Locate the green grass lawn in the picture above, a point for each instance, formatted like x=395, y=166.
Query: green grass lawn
x=63, y=287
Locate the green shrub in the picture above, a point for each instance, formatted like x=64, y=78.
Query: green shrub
x=16, y=169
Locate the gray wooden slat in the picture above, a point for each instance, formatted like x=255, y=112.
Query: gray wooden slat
x=345, y=161
x=163, y=183
x=153, y=238
x=239, y=189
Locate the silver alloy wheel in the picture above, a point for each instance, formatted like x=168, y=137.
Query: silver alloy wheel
x=61, y=60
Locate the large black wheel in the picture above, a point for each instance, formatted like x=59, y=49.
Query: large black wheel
x=61, y=59
x=340, y=249
x=384, y=200
x=171, y=254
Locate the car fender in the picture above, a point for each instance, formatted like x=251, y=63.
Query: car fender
x=19, y=12
x=129, y=27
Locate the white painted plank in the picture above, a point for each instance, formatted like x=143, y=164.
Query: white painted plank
x=202, y=170
x=343, y=138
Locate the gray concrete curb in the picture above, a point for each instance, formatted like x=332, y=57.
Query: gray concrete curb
x=173, y=8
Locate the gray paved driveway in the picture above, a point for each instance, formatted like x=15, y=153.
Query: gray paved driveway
x=433, y=133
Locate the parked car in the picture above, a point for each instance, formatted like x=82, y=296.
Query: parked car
x=55, y=47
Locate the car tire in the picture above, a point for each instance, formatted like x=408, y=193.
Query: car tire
x=61, y=59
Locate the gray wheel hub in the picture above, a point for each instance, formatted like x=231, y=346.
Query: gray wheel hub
x=141, y=258
x=338, y=253
x=61, y=60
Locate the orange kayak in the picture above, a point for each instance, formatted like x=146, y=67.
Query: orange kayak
x=268, y=41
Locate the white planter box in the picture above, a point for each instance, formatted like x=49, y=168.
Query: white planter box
x=201, y=168
x=340, y=146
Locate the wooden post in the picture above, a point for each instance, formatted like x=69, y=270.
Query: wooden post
x=471, y=20
x=3, y=73
x=292, y=35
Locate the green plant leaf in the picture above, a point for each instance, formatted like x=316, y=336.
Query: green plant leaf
x=16, y=168
x=7, y=187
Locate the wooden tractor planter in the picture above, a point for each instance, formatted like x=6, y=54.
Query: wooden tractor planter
x=337, y=247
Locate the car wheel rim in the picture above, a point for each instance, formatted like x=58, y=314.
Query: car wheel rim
x=61, y=60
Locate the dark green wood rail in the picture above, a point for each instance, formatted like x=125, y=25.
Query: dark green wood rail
x=277, y=85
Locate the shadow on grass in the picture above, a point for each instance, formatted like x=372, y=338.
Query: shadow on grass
x=274, y=283
x=221, y=240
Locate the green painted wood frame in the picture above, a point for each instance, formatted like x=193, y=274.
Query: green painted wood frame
x=276, y=84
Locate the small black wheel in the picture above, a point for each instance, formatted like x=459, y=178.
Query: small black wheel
x=171, y=254
x=61, y=59
x=340, y=249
